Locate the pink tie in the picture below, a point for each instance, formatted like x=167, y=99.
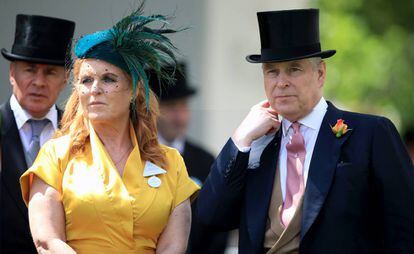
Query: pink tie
x=296, y=153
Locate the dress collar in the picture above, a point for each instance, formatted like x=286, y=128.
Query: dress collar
x=101, y=156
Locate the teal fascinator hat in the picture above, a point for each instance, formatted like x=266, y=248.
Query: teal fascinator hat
x=134, y=47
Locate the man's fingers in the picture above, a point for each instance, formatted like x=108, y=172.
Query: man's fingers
x=274, y=125
x=265, y=104
x=272, y=111
x=262, y=104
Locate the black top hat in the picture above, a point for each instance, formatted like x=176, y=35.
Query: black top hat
x=41, y=39
x=289, y=35
x=167, y=92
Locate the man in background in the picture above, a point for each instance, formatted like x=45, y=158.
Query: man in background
x=172, y=129
x=30, y=117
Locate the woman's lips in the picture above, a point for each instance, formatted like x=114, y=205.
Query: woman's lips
x=94, y=103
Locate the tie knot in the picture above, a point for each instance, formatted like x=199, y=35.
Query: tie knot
x=296, y=127
x=297, y=143
x=37, y=126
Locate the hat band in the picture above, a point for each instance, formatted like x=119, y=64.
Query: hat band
x=106, y=52
x=289, y=52
x=40, y=53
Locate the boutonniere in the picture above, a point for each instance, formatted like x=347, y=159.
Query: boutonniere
x=340, y=128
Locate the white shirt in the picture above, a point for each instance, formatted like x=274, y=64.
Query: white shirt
x=309, y=129
x=177, y=143
x=22, y=116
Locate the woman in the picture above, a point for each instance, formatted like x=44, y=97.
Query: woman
x=105, y=184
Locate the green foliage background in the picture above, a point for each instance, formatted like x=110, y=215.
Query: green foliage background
x=373, y=69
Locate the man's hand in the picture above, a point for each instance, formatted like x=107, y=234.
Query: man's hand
x=261, y=120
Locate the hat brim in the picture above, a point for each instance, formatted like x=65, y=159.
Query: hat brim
x=258, y=58
x=13, y=57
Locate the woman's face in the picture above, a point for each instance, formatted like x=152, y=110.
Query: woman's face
x=104, y=90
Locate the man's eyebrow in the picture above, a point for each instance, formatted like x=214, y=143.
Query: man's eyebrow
x=268, y=66
x=52, y=68
x=31, y=65
x=295, y=63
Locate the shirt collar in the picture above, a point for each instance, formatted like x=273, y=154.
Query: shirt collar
x=178, y=143
x=313, y=120
x=22, y=116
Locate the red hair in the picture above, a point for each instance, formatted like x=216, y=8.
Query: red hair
x=74, y=123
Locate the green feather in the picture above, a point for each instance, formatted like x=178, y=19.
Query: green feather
x=144, y=48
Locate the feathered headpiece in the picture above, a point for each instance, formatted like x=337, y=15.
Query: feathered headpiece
x=132, y=46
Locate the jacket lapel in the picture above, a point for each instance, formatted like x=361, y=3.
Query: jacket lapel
x=259, y=190
x=12, y=149
x=322, y=168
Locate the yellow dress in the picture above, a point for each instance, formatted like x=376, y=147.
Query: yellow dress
x=107, y=213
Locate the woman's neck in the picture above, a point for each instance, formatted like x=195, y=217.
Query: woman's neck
x=113, y=134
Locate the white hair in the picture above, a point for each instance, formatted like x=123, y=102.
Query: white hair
x=315, y=61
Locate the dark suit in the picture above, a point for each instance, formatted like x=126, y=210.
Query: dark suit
x=202, y=240
x=359, y=195
x=14, y=227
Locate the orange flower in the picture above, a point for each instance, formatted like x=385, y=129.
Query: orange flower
x=340, y=128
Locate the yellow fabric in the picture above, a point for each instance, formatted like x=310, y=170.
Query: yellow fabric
x=107, y=213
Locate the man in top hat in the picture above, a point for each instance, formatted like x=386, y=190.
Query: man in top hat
x=301, y=176
x=172, y=129
x=30, y=117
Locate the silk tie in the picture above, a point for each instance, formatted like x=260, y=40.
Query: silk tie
x=37, y=127
x=296, y=153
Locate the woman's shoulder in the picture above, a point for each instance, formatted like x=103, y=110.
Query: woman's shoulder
x=173, y=157
x=59, y=146
x=170, y=153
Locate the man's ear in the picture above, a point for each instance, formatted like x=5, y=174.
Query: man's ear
x=65, y=80
x=12, y=68
x=321, y=73
x=67, y=75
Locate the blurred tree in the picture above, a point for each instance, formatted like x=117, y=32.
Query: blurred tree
x=373, y=70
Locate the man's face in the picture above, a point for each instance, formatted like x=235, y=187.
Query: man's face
x=293, y=88
x=36, y=86
x=174, y=118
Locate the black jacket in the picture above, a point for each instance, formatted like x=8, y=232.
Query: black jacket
x=14, y=223
x=359, y=195
x=202, y=240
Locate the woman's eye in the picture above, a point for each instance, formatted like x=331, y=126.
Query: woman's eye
x=86, y=80
x=109, y=80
